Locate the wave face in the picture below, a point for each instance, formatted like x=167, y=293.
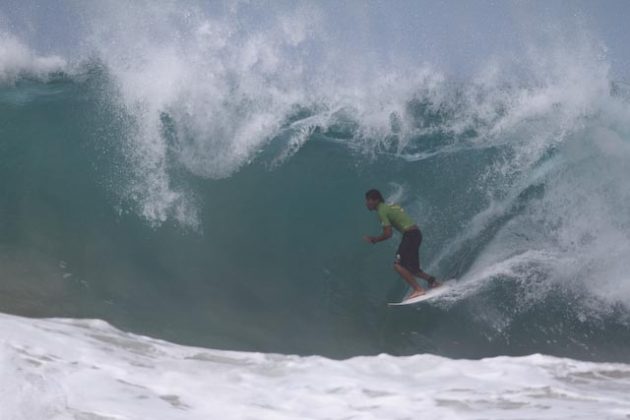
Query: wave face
x=198, y=175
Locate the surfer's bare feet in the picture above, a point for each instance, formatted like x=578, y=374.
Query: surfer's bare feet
x=416, y=293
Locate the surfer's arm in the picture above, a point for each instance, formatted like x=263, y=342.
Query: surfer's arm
x=387, y=233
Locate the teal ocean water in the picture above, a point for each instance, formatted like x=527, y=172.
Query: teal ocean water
x=207, y=188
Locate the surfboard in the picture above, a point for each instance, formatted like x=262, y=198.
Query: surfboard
x=430, y=294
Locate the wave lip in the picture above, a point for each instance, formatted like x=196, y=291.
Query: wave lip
x=52, y=361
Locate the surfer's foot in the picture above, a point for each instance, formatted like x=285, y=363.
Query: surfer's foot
x=416, y=293
x=433, y=283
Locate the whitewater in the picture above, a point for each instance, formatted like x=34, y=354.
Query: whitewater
x=85, y=369
x=181, y=210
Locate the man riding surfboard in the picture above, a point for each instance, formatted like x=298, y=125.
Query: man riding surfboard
x=407, y=262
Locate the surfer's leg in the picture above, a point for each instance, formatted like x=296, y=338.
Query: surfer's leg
x=411, y=281
x=406, y=263
x=416, y=264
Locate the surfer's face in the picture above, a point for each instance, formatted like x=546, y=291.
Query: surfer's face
x=371, y=204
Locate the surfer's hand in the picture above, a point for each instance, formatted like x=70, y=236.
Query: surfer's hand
x=368, y=239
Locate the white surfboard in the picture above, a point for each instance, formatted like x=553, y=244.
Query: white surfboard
x=430, y=294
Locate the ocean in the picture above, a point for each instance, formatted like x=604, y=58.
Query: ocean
x=197, y=175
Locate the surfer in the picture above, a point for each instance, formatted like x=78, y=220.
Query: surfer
x=407, y=262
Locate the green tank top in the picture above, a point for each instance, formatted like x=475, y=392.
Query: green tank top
x=394, y=215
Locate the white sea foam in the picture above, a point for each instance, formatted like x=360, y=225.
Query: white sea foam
x=17, y=60
x=226, y=88
x=567, y=137
x=80, y=369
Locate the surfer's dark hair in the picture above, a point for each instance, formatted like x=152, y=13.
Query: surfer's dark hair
x=374, y=195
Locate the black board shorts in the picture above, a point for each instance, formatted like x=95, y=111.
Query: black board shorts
x=408, y=254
